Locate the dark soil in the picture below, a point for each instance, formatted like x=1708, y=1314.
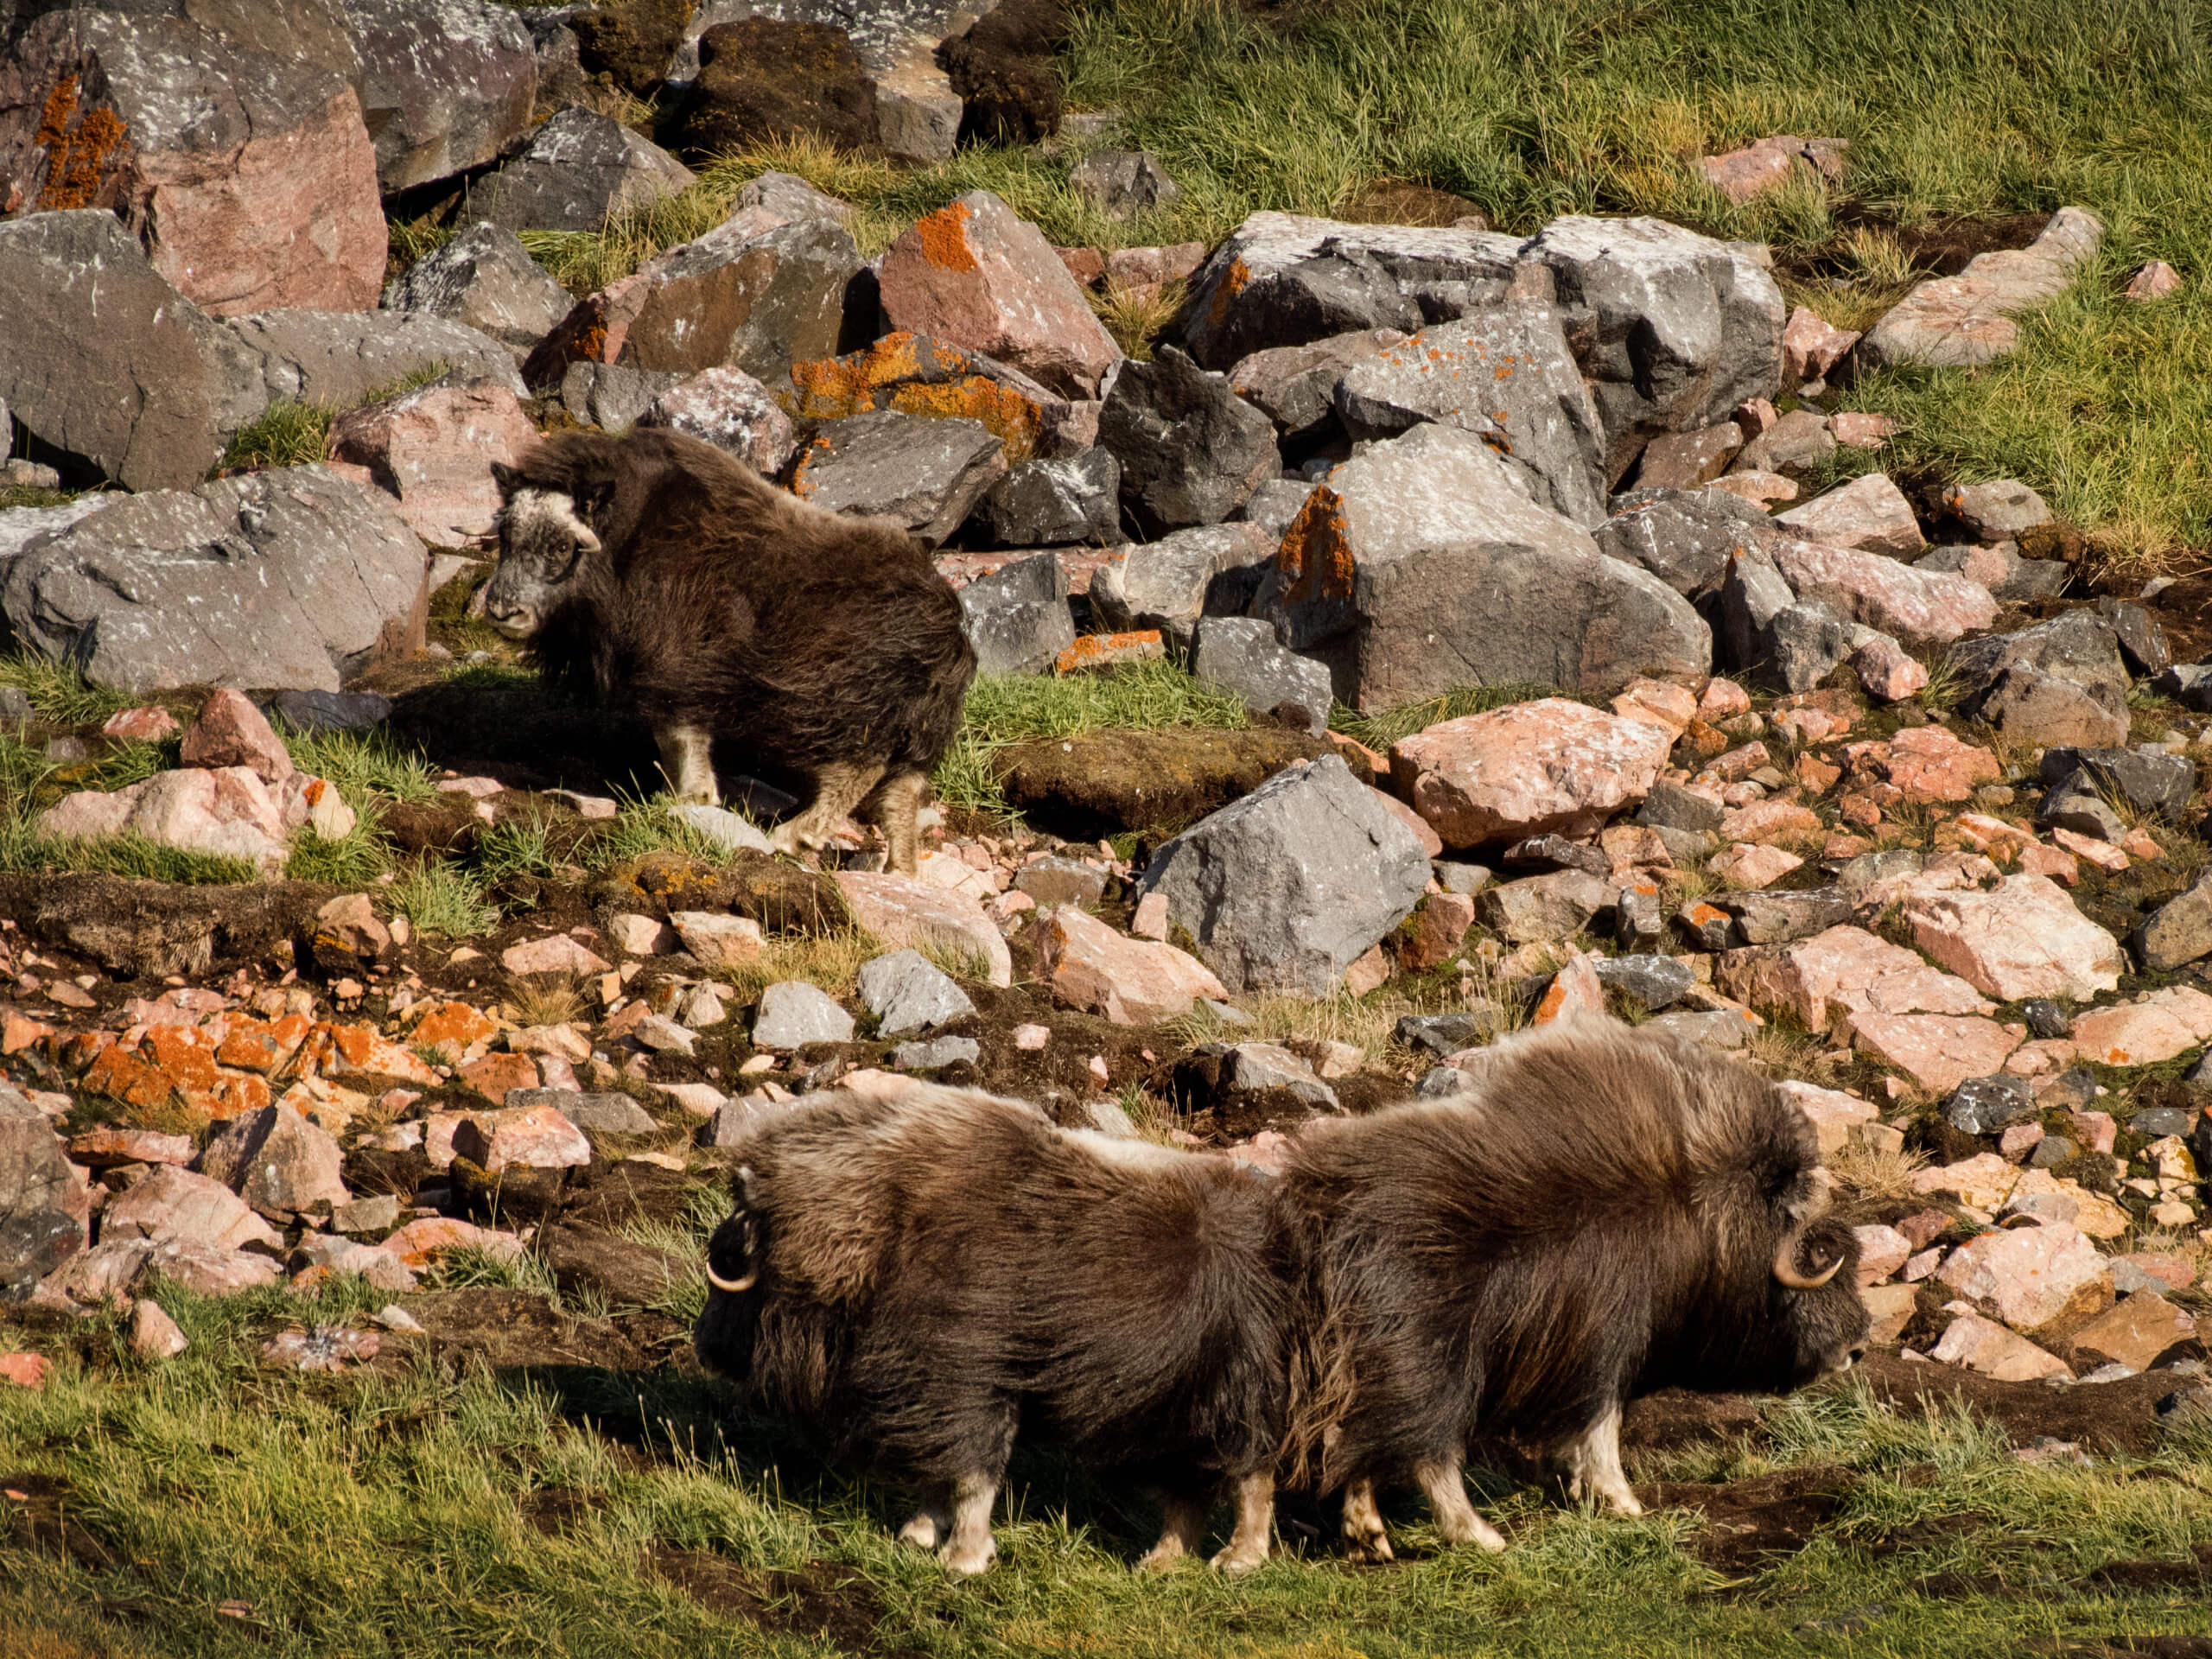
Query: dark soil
x=761, y=81
x=1749, y=1522
x=2185, y=611
x=509, y=1329
x=1082, y=788
x=819, y=1602
x=2119, y=1417
x=2194, y=1574
x=34, y=1515
x=1675, y=1419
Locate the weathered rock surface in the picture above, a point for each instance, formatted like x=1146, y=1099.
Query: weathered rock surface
x=1685, y=538
x=2059, y=682
x=1241, y=654
x=433, y=451
x=928, y=474
x=484, y=279
x=1190, y=450
x=933, y=379
x=1286, y=888
x=794, y=1014
x=762, y=80
x=907, y=991
x=1505, y=375
x=1295, y=386
x=322, y=357
x=730, y=410
x=1422, y=564
x=901, y=911
x=1869, y=513
x=42, y=1216
x=278, y=1162
x=1547, y=908
x=1915, y=606
x=1018, y=618
x=1170, y=583
x=1547, y=767
x=1130, y=982
x=2167, y=1023
x=1043, y=503
x=236, y=156
x=444, y=87
x=975, y=274
x=1843, y=971
x=578, y=171
x=2031, y=1277
x=1956, y=321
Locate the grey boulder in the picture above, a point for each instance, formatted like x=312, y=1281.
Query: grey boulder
x=1685, y=538
x=1241, y=654
x=1542, y=908
x=1120, y=182
x=341, y=357
x=1672, y=329
x=906, y=991
x=1295, y=386
x=613, y=396
x=41, y=1207
x=483, y=279
x=1189, y=449
x=578, y=170
x=728, y=409
x=2060, y=682
x=446, y=85
x=1052, y=503
x=1170, y=583
x=926, y=473
x=290, y=578
x=2180, y=931
x=1017, y=618
x=1289, y=887
x=2151, y=780
x=1505, y=375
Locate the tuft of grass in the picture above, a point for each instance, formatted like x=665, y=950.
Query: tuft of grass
x=364, y=765
x=648, y=826
x=1137, y=317
x=551, y=1003
x=291, y=432
x=439, y=897
x=59, y=691
x=832, y=961
x=1379, y=729
x=352, y=860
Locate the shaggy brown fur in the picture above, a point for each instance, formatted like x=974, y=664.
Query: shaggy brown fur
x=1598, y=1218
x=656, y=571
x=920, y=1270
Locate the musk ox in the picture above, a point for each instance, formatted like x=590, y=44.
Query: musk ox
x=918, y=1273
x=656, y=572
x=1608, y=1213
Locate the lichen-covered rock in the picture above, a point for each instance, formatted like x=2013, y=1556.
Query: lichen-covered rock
x=486, y=280
x=445, y=87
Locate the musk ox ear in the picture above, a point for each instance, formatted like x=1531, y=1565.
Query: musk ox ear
x=508, y=479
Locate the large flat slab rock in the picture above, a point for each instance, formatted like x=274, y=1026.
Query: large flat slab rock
x=1957, y=322
x=290, y=579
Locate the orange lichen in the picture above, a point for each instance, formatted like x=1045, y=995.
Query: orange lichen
x=944, y=236
x=831, y=387
x=1316, y=553
x=1007, y=415
x=79, y=156
x=891, y=374
x=1231, y=284
x=1096, y=650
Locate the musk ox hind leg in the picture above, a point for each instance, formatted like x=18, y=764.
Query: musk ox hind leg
x=1593, y=1463
x=838, y=788
x=687, y=759
x=969, y=1548
x=1247, y=1549
x=895, y=807
x=1182, y=1530
x=1366, y=1540
x=1442, y=1482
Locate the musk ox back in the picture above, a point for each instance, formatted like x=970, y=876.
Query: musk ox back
x=655, y=572
x=917, y=1272
x=1607, y=1212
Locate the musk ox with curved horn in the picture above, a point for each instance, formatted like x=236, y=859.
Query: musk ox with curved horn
x=657, y=572
x=919, y=1271
x=1607, y=1212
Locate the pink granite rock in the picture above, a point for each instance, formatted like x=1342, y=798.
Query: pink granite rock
x=1550, y=766
x=2024, y=938
x=2135, y=1333
x=1855, y=430
x=1938, y=1052
x=176, y=1204
x=1928, y=764
x=902, y=911
x=433, y=450
x=716, y=939
x=1886, y=671
x=2167, y=1023
x=2031, y=1277
x=229, y=731
x=2155, y=281
x=1983, y=1346
x=1882, y=1251
x=146, y=725
x=533, y=1137
x=227, y=813
x=1870, y=513
x=1768, y=820
x=1810, y=347
x=556, y=954
x=278, y=1162
x=1750, y=868
x=1130, y=982
x=1766, y=163
x=1832, y=1113
x=1843, y=971
x=1925, y=607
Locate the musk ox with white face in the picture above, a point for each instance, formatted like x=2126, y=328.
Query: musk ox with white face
x=919, y=1271
x=656, y=573
x=1606, y=1212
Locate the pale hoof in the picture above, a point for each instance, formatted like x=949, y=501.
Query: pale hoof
x=1482, y=1535
x=1372, y=1551
x=1235, y=1562
x=1160, y=1557
x=920, y=1532
x=967, y=1563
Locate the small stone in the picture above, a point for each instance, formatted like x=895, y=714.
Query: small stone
x=935, y=1055
x=794, y=1014
x=154, y=1334
x=1656, y=982
x=229, y=731
x=1983, y=1346
x=2156, y=281
x=1130, y=982
x=1032, y=1037
x=25, y=1370
x=2136, y=1331
x=557, y=954
x=716, y=939
x=906, y=992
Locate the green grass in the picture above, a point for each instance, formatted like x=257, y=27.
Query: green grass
x=291, y=432
x=439, y=896
x=59, y=692
x=390, y=1512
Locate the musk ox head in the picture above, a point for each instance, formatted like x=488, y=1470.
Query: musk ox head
x=544, y=546
x=1815, y=1319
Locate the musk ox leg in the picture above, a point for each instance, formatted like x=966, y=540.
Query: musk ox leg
x=837, y=790
x=687, y=757
x=1455, y=1517
x=1182, y=1528
x=931, y=1524
x=895, y=808
x=1364, y=1538
x=1247, y=1549
x=1593, y=1464
x=970, y=1547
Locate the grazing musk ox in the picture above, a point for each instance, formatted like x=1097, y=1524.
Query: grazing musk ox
x=657, y=571
x=1606, y=1213
x=917, y=1272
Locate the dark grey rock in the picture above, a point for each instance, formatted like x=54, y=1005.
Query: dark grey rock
x=1295, y=386
x=1207, y=570
x=1442, y=1082
x=906, y=991
x=937, y=1054
x=2142, y=641
x=1190, y=450
x=613, y=396
x=2151, y=780
x=37, y=1187
x=2058, y=681
x=926, y=473
x=2046, y=1020
x=1557, y=853
x=2188, y=684
x=1447, y=1033
x=1121, y=182
x=1274, y=506
x=1505, y=375
x=578, y=170
x=2072, y=1090
x=484, y=279
x=1656, y=982
x=1707, y=926
x=292, y=578
x=341, y=357
x=1670, y=807
x=445, y=86
x=1259, y=1068
x=1053, y=503
x=2179, y=932
x=330, y=711
x=1638, y=921
x=793, y=1014
x=1988, y=1105
x=1289, y=887
x=1775, y=917
x=609, y=1113
x=1241, y=654
x=2077, y=805
x=1685, y=538
x=1017, y=618
x=2052, y=1151
x=1546, y=908
x=1056, y=880
x=2157, y=1122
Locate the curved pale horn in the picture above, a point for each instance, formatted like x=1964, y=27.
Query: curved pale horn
x=732, y=1285
x=1785, y=1266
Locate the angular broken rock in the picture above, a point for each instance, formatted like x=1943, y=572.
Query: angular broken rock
x=2060, y=682
x=175, y=1203
x=2024, y=938
x=2180, y=931
x=1550, y=766
x=1833, y=1114
x=900, y=910
x=1936, y=1050
x=1998, y=511
x=344, y=358
x=1915, y=606
x=1840, y=972
x=444, y=88
x=730, y=410
x=1547, y=908
x=1286, y=888
x=794, y=1014
x=2135, y=1333
x=1685, y=537
x=1051, y=503
x=2167, y=1023
x=1957, y=322
x=1295, y=386
x=1983, y=1346
x=42, y=1203
x=1683, y=327
x=1170, y=583
x=1017, y=618
x=906, y=991
x=716, y=939
x=236, y=156
x=230, y=731
x=278, y=1162
x=1869, y=513
x=1130, y=982
x=1810, y=346
x=1240, y=654
x=433, y=450
x=976, y=275
x=1505, y=375
x=557, y=953
x=484, y=279
x=2031, y=1277
x=1190, y=449
x=927, y=474
x=222, y=813
x=1421, y=564
x=578, y=170
x=530, y=1137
